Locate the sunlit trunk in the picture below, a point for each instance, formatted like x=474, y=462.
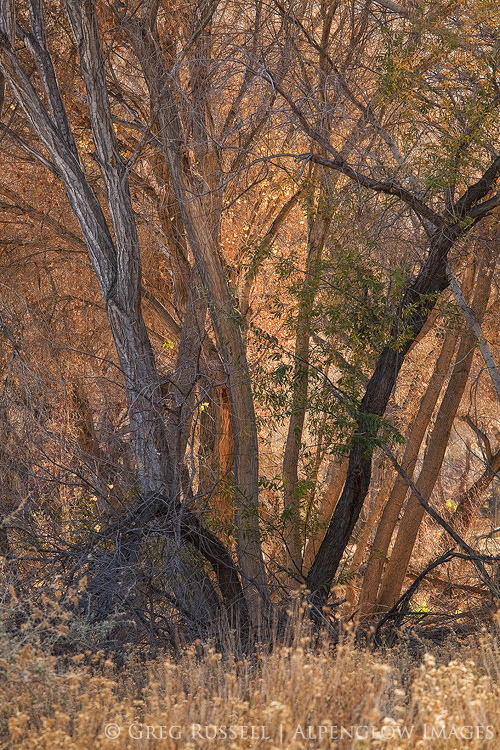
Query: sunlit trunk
x=390, y=515
x=394, y=575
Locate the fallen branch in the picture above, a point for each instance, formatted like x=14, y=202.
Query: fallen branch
x=400, y=608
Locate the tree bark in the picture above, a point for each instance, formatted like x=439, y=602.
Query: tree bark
x=335, y=480
x=430, y=281
x=390, y=515
x=394, y=576
x=195, y=210
x=366, y=530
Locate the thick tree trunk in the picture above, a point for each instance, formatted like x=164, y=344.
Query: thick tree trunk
x=188, y=371
x=117, y=267
x=216, y=454
x=195, y=211
x=116, y=263
x=368, y=525
x=394, y=576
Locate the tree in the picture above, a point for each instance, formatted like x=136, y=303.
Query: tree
x=447, y=219
x=267, y=202
x=115, y=259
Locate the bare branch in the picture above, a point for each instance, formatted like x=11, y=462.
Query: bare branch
x=481, y=436
x=478, y=191
x=476, y=557
x=476, y=330
x=389, y=187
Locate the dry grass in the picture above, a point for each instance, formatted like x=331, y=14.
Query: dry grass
x=293, y=697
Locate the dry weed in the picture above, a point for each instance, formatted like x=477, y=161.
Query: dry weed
x=291, y=697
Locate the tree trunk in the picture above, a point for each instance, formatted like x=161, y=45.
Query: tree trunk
x=335, y=480
x=293, y=527
x=430, y=281
x=394, y=576
x=366, y=530
x=195, y=210
x=116, y=262
x=390, y=515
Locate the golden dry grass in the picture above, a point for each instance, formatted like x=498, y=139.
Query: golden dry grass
x=294, y=697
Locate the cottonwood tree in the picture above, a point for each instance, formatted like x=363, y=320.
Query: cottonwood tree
x=114, y=251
